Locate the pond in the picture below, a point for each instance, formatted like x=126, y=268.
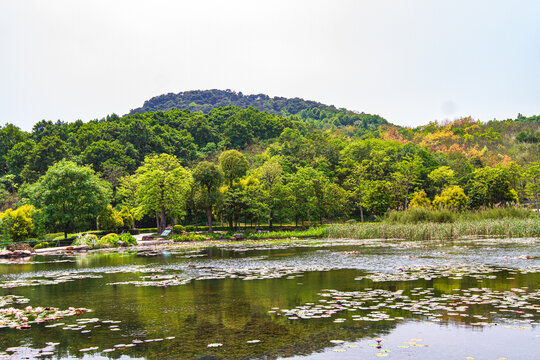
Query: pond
x=469, y=299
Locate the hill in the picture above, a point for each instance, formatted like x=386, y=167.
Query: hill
x=311, y=112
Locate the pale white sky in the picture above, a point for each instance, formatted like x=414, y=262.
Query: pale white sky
x=410, y=61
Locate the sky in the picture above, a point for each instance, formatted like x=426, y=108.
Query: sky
x=410, y=61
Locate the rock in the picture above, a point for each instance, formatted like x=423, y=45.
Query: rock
x=122, y=243
x=5, y=253
x=15, y=254
x=147, y=237
x=238, y=236
x=69, y=248
x=20, y=246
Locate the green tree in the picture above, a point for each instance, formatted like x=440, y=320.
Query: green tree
x=127, y=218
x=69, y=196
x=162, y=184
x=377, y=199
x=453, y=197
x=233, y=164
x=490, y=186
x=407, y=175
x=20, y=220
x=110, y=219
x=271, y=174
x=533, y=183
x=442, y=176
x=208, y=179
x=48, y=151
x=419, y=200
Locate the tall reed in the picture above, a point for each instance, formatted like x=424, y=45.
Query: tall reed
x=507, y=227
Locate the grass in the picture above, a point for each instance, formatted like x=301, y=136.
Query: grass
x=422, y=215
x=506, y=227
x=315, y=232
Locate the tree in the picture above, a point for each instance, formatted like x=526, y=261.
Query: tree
x=162, y=184
x=233, y=164
x=533, y=184
x=355, y=183
x=377, y=199
x=407, y=175
x=490, y=186
x=419, y=200
x=208, y=179
x=48, y=151
x=110, y=219
x=442, y=176
x=20, y=221
x=453, y=197
x=69, y=196
x=127, y=218
x=271, y=174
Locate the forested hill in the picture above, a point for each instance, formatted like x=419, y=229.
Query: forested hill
x=311, y=112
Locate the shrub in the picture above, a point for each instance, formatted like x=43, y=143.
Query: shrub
x=87, y=239
x=452, y=197
x=127, y=218
x=20, y=221
x=191, y=237
x=420, y=200
x=111, y=239
x=109, y=219
x=127, y=238
x=178, y=229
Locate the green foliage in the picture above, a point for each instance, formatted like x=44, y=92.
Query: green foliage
x=69, y=196
x=188, y=237
x=420, y=215
x=510, y=228
x=110, y=219
x=442, y=176
x=233, y=164
x=19, y=222
x=490, y=186
x=420, y=200
x=452, y=197
x=127, y=218
x=90, y=240
x=162, y=184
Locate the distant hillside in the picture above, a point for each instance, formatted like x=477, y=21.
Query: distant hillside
x=312, y=112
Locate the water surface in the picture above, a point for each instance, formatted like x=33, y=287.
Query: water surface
x=335, y=300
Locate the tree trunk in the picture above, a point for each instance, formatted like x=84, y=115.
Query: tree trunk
x=361, y=213
x=65, y=234
x=209, y=217
x=271, y=222
x=406, y=198
x=162, y=220
x=196, y=220
x=231, y=223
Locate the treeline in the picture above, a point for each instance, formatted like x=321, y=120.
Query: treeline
x=247, y=166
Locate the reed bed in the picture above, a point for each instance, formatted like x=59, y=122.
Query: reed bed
x=507, y=227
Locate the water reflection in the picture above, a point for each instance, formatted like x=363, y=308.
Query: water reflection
x=235, y=311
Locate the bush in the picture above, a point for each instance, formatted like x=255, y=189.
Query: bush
x=110, y=219
x=43, y=244
x=127, y=238
x=20, y=222
x=147, y=230
x=178, y=229
x=127, y=218
x=110, y=239
x=420, y=200
x=87, y=239
x=452, y=197
x=191, y=237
